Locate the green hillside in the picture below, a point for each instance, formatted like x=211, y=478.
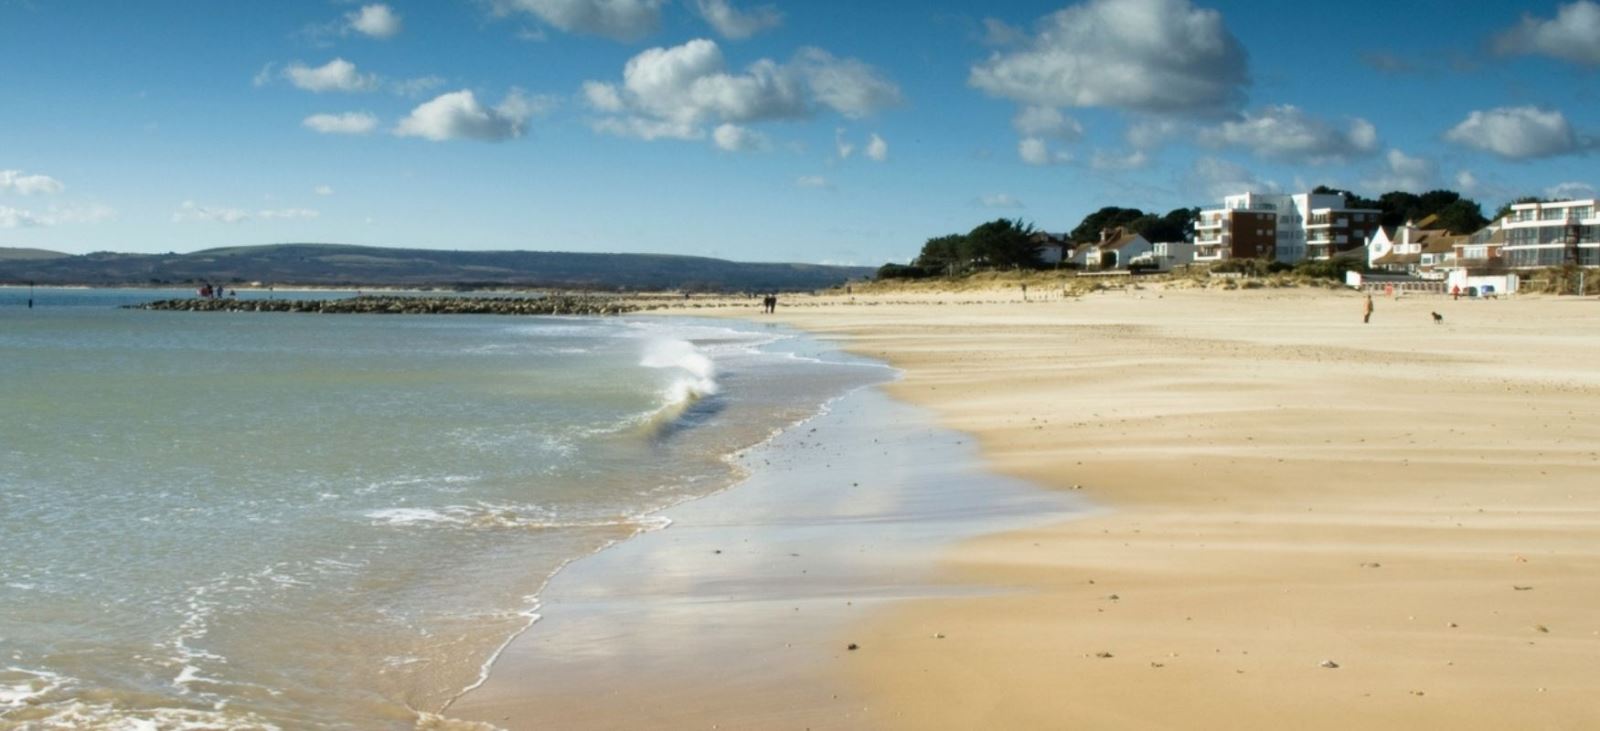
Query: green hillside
x=342, y=265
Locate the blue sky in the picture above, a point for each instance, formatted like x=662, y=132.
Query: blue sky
x=842, y=132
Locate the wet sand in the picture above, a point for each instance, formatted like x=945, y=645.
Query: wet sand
x=741, y=613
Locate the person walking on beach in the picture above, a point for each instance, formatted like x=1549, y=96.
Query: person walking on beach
x=1366, y=313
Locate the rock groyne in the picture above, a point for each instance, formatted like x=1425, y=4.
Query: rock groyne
x=389, y=305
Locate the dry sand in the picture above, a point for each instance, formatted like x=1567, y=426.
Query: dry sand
x=1418, y=504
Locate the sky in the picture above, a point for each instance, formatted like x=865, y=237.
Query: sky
x=816, y=131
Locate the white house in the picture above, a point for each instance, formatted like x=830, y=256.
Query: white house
x=1286, y=228
x=1115, y=250
x=1552, y=234
x=1412, y=247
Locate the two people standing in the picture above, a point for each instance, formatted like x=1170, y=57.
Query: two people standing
x=769, y=303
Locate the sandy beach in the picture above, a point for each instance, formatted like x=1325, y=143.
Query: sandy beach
x=1416, y=504
x=1309, y=523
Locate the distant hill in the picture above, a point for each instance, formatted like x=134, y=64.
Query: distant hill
x=371, y=266
x=28, y=254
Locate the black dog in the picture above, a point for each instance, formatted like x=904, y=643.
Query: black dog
x=1438, y=319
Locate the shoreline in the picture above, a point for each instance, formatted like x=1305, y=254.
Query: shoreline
x=719, y=590
x=1313, y=523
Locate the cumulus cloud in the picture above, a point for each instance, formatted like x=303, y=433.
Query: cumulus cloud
x=734, y=23
x=843, y=147
x=377, y=21
x=12, y=217
x=348, y=123
x=1035, y=151
x=1104, y=160
x=16, y=180
x=675, y=92
x=1573, y=35
x=999, y=200
x=335, y=75
x=813, y=181
x=1213, y=178
x=1162, y=56
x=1036, y=121
x=191, y=212
x=1286, y=132
x=1403, y=172
x=418, y=86
x=1517, y=133
x=1466, y=182
x=734, y=138
x=459, y=116
x=619, y=20
x=845, y=85
x=877, y=149
x=1571, y=191
x=17, y=218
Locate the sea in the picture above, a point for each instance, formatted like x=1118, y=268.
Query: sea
x=305, y=521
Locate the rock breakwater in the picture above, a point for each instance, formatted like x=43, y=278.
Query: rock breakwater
x=388, y=305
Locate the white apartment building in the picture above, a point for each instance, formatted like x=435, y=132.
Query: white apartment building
x=1552, y=234
x=1290, y=228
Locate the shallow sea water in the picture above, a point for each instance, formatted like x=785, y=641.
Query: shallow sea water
x=307, y=521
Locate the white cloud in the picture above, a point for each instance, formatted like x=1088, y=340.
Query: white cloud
x=999, y=200
x=877, y=149
x=1103, y=160
x=264, y=76
x=1403, y=172
x=377, y=20
x=1466, y=182
x=734, y=138
x=1046, y=122
x=734, y=23
x=843, y=147
x=845, y=85
x=1163, y=56
x=335, y=75
x=458, y=115
x=323, y=190
x=675, y=92
x=813, y=181
x=1517, y=133
x=15, y=180
x=1149, y=134
x=1571, y=191
x=1285, y=132
x=272, y=213
x=1035, y=151
x=620, y=20
x=191, y=212
x=1573, y=35
x=418, y=86
x=18, y=218
x=348, y=123
x=603, y=97
x=1212, y=178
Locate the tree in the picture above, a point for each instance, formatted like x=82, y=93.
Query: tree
x=1088, y=231
x=942, y=253
x=1003, y=243
x=1505, y=210
x=1462, y=216
x=1177, y=225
